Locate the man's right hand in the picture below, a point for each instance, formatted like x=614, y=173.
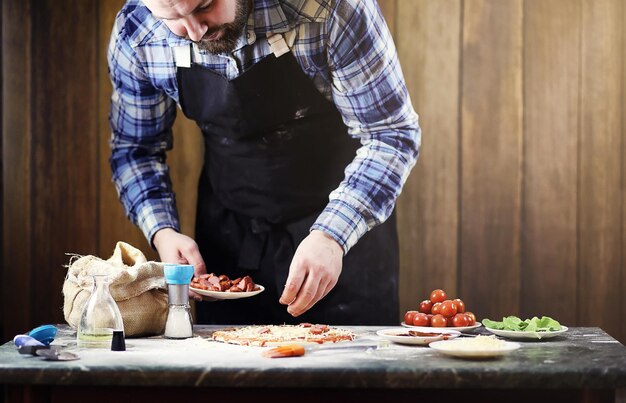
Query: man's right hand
x=174, y=247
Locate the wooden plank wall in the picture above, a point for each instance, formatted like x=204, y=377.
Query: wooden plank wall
x=517, y=204
x=551, y=109
x=63, y=154
x=16, y=144
x=427, y=37
x=623, y=183
x=490, y=179
x=1, y=176
x=524, y=110
x=57, y=194
x=600, y=162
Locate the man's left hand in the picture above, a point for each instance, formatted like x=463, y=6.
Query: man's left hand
x=314, y=271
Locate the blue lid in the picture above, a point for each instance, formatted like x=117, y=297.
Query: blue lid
x=44, y=334
x=178, y=273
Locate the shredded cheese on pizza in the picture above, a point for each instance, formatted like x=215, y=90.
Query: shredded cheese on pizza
x=273, y=335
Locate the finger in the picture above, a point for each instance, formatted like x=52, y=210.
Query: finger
x=193, y=256
x=321, y=292
x=199, y=268
x=176, y=259
x=331, y=284
x=306, y=296
x=295, y=279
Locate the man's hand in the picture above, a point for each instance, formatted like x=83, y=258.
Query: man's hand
x=174, y=247
x=314, y=271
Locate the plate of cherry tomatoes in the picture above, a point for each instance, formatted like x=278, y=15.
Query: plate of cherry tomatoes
x=459, y=329
x=439, y=311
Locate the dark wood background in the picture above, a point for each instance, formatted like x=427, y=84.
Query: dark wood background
x=516, y=206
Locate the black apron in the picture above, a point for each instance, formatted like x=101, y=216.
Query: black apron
x=274, y=150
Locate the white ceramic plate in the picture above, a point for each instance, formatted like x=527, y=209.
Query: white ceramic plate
x=455, y=349
x=427, y=328
x=401, y=335
x=512, y=334
x=228, y=295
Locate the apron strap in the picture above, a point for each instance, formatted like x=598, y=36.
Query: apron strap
x=279, y=44
x=182, y=56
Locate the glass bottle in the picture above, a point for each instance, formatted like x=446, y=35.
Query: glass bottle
x=179, y=324
x=100, y=316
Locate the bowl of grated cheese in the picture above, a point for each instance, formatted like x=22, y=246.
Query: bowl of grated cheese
x=476, y=347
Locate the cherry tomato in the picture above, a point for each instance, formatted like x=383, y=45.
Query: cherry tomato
x=471, y=317
x=421, y=319
x=448, y=308
x=438, y=296
x=408, y=317
x=436, y=309
x=425, y=306
x=438, y=321
x=460, y=305
x=449, y=321
x=460, y=320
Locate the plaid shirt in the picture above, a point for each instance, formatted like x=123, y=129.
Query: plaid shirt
x=346, y=49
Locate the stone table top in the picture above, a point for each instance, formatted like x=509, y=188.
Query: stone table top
x=585, y=357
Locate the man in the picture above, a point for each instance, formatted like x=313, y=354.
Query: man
x=309, y=136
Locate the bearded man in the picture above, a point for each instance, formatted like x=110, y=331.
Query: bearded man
x=309, y=137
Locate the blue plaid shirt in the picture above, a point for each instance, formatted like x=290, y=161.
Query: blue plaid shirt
x=346, y=49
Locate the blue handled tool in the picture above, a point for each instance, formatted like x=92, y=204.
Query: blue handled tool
x=28, y=345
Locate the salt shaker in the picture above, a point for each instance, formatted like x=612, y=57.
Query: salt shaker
x=179, y=323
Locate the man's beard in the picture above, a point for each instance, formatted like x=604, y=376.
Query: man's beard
x=231, y=31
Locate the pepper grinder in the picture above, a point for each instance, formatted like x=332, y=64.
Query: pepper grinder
x=179, y=323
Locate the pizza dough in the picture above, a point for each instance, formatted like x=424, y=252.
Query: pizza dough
x=276, y=335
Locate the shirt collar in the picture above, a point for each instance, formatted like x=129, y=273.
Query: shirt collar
x=278, y=16
x=269, y=16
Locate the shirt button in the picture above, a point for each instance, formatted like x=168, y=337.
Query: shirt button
x=250, y=37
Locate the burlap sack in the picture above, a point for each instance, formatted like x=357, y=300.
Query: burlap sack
x=138, y=287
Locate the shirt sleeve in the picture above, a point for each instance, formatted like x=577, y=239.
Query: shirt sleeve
x=369, y=91
x=141, y=118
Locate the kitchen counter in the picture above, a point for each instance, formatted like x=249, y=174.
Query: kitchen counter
x=582, y=364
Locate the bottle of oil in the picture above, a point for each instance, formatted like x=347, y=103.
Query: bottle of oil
x=100, y=317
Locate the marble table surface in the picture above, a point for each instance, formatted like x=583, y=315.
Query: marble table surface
x=585, y=357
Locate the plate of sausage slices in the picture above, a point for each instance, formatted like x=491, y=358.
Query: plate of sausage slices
x=222, y=287
x=402, y=335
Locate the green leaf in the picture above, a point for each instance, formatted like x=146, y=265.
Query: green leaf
x=546, y=323
x=492, y=324
x=514, y=323
x=531, y=325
